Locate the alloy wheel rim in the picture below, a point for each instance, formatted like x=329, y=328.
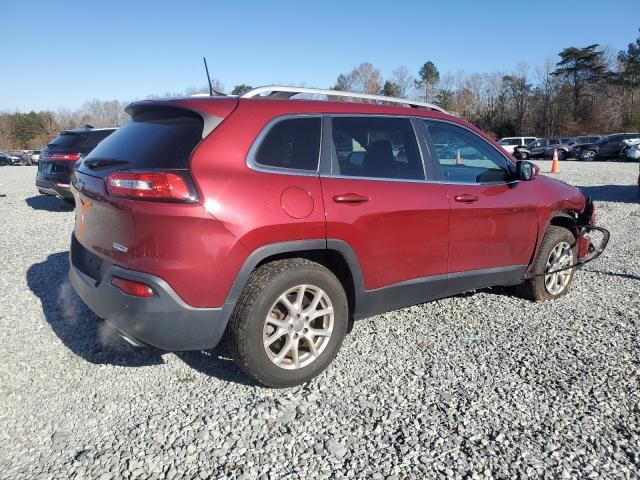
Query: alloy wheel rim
x=298, y=327
x=561, y=256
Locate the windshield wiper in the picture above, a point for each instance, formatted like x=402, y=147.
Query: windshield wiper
x=102, y=163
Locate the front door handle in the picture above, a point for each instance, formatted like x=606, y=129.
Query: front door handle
x=466, y=198
x=350, y=198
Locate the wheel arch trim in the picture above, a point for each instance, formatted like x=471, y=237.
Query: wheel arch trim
x=273, y=249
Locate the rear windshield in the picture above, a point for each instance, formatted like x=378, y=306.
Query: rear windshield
x=65, y=140
x=157, y=138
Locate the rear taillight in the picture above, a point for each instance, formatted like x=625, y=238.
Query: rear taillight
x=71, y=157
x=130, y=287
x=150, y=186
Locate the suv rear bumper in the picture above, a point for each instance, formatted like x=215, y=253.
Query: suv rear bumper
x=53, y=187
x=163, y=321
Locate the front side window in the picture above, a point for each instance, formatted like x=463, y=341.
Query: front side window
x=293, y=143
x=376, y=147
x=465, y=157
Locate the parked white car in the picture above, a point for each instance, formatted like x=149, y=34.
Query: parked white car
x=509, y=143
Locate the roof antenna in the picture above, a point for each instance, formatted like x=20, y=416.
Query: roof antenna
x=212, y=92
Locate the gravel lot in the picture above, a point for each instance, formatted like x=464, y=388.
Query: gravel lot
x=476, y=386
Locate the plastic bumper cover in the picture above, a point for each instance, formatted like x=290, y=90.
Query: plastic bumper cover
x=163, y=321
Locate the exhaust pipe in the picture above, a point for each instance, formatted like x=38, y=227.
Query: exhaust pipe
x=130, y=340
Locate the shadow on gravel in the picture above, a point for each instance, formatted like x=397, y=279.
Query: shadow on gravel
x=77, y=327
x=613, y=193
x=629, y=276
x=89, y=337
x=216, y=363
x=48, y=203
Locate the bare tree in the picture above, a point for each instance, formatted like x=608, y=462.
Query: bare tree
x=519, y=90
x=366, y=78
x=404, y=80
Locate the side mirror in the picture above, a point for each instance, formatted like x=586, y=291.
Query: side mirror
x=525, y=171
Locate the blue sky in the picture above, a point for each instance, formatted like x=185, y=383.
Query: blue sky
x=60, y=54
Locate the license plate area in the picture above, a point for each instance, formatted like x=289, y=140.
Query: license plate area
x=87, y=262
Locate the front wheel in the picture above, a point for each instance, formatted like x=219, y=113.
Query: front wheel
x=562, y=155
x=588, y=156
x=289, y=322
x=557, y=252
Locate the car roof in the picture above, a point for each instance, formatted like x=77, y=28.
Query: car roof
x=276, y=107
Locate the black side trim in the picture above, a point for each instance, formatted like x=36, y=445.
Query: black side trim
x=400, y=295
x=487, y=277
x=267, y=251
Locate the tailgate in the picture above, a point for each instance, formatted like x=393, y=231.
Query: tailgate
x=103, y=224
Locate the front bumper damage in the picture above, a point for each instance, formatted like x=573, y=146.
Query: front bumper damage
x=587, y=250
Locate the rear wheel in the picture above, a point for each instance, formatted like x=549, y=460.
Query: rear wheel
x=557, y=251
x=289, y=322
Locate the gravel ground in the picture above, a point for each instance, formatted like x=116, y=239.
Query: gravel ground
x=483, y=385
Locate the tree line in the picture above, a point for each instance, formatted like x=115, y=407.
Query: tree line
x=587, y=90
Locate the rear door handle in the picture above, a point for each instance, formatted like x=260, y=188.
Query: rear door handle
x=350, y=198
x=466, y=198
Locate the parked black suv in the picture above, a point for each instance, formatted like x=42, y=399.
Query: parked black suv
x=58, y=159
x=543, y=147
x=609, y=147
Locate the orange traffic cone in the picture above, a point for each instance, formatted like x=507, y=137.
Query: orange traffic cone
x=555, y=164
x=458, y=159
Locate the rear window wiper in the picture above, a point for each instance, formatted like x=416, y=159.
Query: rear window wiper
x=102, y=163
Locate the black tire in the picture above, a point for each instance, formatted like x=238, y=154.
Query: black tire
x=534, y=288
x=246, y=326
x=69, y=201
x=588, y=156
x=562, y=155
x=524, y=156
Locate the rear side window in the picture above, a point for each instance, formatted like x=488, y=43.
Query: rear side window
x=376, y=147
x=66, y=140
x=293, y=143
x=154, y=138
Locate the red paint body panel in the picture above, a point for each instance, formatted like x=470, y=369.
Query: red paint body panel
x=399, y=234
x=247, y=201
x=497, y=230
x=405, y=230
x=554, y=197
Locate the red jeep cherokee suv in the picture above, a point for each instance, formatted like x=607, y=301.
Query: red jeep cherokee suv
x=279, y=221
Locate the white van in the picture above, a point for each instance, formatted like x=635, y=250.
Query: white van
x=509, y=143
